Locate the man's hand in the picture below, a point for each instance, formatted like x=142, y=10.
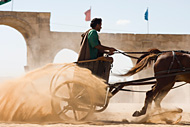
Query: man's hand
x=111, y=51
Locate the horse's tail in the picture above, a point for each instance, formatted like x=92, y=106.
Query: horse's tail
x=145, y=60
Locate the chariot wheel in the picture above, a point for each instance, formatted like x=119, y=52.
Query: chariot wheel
x=72, y=100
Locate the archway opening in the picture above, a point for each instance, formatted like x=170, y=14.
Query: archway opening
x=13, y=52
x=65, y=56
x=121, y=65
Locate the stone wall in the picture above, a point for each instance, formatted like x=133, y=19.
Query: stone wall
x=43, y=44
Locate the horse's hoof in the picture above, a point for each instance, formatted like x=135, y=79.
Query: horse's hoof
x=136, y=114
x=139, y=113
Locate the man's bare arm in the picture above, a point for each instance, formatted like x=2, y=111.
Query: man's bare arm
x=105, y=48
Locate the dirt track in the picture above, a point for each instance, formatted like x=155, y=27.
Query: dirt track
x=20, y=98
x=116, y=115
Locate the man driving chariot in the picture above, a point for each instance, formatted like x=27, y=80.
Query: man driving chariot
x=91, y=47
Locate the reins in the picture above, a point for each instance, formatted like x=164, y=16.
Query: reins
x=141, y=81
x=146, y=91
x=182, y=51
x=120, y=85
x=126, y=53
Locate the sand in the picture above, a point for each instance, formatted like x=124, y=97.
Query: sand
x=108, y=118
x=27, y=101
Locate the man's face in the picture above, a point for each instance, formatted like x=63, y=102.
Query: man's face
x=99, y=27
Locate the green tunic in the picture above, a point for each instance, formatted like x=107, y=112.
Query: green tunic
x=93, y=41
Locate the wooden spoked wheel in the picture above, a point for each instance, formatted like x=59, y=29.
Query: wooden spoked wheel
x=72, y=100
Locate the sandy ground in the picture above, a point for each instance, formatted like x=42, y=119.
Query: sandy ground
x=116, y=115
x=22, y=100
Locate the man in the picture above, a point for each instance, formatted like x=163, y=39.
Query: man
x=91, y=47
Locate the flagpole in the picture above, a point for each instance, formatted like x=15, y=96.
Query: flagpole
x=148, y=27
x=90, y=13
x=147, y=22
x=12, y=6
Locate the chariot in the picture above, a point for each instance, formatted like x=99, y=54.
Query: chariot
x=79, y=102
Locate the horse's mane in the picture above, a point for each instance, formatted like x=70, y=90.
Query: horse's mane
x=145, y=60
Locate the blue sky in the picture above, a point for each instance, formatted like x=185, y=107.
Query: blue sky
x=165, y=16
x=119, y=16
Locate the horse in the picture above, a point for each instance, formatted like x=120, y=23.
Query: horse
x=165, y=64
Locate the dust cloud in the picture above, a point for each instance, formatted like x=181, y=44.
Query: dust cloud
x=29, y=98
x=161, y=116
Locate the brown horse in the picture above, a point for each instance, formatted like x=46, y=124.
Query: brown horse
x=167, y=63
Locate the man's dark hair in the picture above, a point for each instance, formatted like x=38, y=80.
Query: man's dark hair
x=95, y=21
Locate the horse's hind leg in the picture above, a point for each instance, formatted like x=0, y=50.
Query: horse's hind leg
x=148, y=101
x=160, y=96
x=158, y=92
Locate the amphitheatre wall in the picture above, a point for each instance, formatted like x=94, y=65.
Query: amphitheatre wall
x=43, y=44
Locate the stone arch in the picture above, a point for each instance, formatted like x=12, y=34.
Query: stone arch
x=19, y=24
x=25, y=28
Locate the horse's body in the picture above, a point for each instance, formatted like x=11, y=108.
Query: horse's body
x=165, y=64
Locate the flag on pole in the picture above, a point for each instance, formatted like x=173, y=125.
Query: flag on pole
x=4, y=1
x=88, y=15
x=146, y=15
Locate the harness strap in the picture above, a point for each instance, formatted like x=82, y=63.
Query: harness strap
x=141, y=91
x=181, y=66
x=171, y=64
x=157, y=57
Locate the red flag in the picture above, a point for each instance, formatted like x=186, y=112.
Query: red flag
x=88, y=15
